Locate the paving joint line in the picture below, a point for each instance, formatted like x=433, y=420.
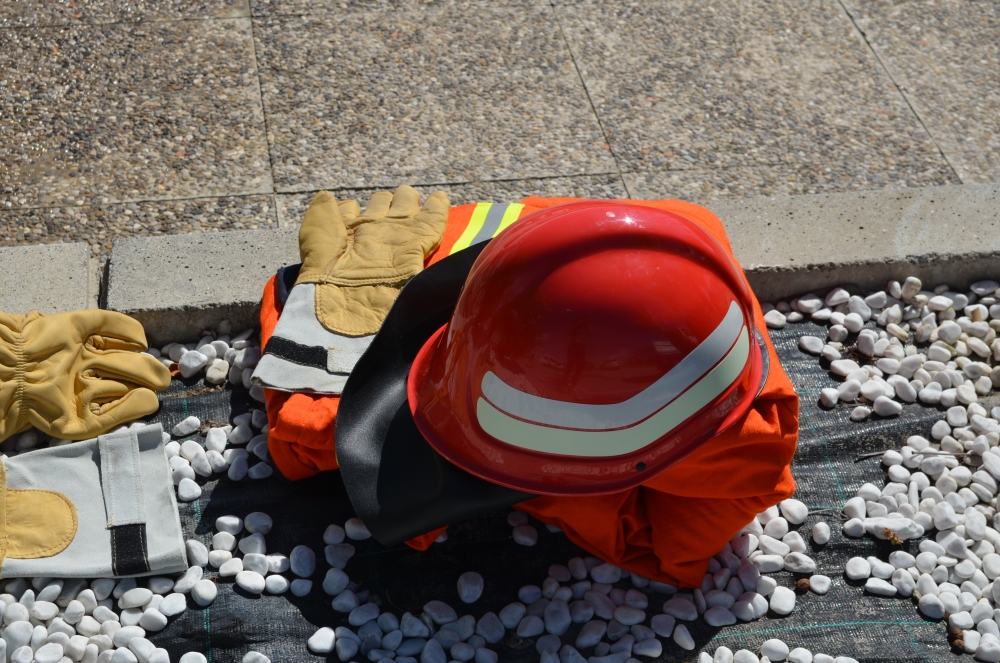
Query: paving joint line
x=899, y=88
x=263, y=114
x=590, y=100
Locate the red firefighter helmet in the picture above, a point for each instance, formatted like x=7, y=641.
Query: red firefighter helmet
x=592, y=346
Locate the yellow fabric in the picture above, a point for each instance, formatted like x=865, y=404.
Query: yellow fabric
x=34, y=523
x=75, y=375
x=359, y=262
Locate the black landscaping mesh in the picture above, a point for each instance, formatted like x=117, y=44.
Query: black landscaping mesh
x=844, y=622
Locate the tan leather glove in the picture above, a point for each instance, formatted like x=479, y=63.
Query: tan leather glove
x=75, y=375
x=359, y=262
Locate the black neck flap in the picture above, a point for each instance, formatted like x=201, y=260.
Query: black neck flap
x=399, y=486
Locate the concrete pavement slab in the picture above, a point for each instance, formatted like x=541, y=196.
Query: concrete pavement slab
x=292, y=206
x=795, y=244
x=178, y=286
x=946, y=57
x=100, y=225
x=786, y=87
x=433, y=95
x=96, y=114
x=51, y=278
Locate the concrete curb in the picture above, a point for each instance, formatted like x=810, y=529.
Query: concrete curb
x=180, y=285
x=791, y=245
x=51, y=278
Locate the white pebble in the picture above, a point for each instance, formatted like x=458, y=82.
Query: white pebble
x=258, y=522
x=811, y=344
x=251, y=581
x=774, y=649
x=255, y=657
x=231, y=524
x=197, y=552
x=794, y=511
x=470, y=587
x=276, y=584
x=303, y=561
x=821, y=533
x=819, y=584
x=525, y=535
x=204, y=592
x=782, y=600
x=334, y=534
x=253, y=544
x=300, y=587
x=322, y=641
x=260, y=471
x=683, y=638
x=188, y=490
x=186, y=427
x=356, y=530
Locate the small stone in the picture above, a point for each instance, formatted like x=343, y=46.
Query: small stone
x=363, y=614
x=254, y=543
x=799, y=563
x=811, y=344
x=334, y=534
x=197, y=552
x=260, y=471
x=819, y=584
x=258, y=522
x=173, y=604
x=525, y=535
x=302, y=561
x=338, y=554
x=301, y=587
x=782, y=600
x=886, y=407
x=204, y=592
x=250, y=581
x=857, y=568
x=683, y=638
x=440, y=612
x=153, y=620
x=470, y=587
x=606, y=573
x=188, y=490
x=879, y=587
x=356, y=530
x=255, y=657
x=861, y=413
x=821, y=533
x=187, y=427
x=774, y=649
x=719, y=616
x=334, y=582
x=321, y=642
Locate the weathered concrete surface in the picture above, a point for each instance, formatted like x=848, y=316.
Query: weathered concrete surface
x=795, y=244
x=179, y=285
x=51, y=278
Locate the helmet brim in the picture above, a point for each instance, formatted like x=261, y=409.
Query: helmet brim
x=399, y=485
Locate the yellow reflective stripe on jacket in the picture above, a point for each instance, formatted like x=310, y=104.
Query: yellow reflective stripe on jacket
x=487, y=221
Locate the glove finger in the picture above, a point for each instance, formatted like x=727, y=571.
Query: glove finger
x=99, y=328
x=437, y=203
x=322, y=236
x=133, y=367
x=378, y=205
x=349, y=211
x=99, y=389
x=135, y=404
x=405, y=203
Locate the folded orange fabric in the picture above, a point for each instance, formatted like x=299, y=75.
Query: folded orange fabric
x=666, y=529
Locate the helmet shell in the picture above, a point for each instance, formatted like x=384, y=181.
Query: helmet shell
x=594, y=344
